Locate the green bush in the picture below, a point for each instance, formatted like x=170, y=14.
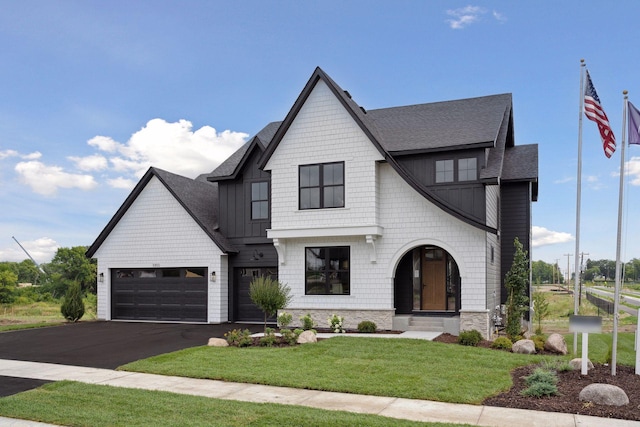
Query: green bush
x=72, y=307
x=239, y=338
x=540, y=390
x=336, y=322
x=541, y=383
x=307, y=322
x=289, y=336
x=269, y=338
x=502, y=343
x=538, y=341
x=367, y=327
x=284, y=319
x=471, y=338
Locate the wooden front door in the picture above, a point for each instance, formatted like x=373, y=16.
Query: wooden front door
x=434, y=279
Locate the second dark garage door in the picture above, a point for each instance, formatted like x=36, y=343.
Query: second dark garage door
x=162, y=294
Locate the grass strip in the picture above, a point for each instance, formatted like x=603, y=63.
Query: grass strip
x=76, y=404
x=413, y=369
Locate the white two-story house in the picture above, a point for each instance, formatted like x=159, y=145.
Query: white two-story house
x=404, y=216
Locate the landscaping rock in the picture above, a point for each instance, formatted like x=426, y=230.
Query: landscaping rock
x=577, y=364
x=604, y=394
x=524, y=347
x=556, y=344
x=218, y=342
x=307, y=337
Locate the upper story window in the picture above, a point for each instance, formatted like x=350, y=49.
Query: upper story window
x=260, y=200
x=467, y=170
x=444, y=170
x=321, y=186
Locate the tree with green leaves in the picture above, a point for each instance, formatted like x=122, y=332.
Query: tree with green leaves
x=540, y=309
x=8, y=285
x=517, y=284
x=270, y=295
x=73, y=307
x=71, y=264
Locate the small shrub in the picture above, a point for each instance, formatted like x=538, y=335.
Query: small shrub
x=307, y=322
x=538, y=341
x=367, y=327
x=72, y=307
x=542, y=382
x=502, y=343
x=239, y=338
x=269, y=338
x=284, y=319
x=540, y=390
x=471, y=338
x=542, y=376
x=335, y=323
x=289, y=336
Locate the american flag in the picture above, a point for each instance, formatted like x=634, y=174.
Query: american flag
x=593, y=110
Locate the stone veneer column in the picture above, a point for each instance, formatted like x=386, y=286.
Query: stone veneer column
x=476, y=319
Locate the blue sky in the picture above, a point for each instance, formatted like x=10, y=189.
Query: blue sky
x=92, y=93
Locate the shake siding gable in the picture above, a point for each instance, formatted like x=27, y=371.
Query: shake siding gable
x=156, y=231
x=323, y=132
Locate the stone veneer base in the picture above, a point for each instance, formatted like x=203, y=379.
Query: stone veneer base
x=382, y=318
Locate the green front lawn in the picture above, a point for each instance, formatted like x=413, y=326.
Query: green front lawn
x=414, y=369
x=70, y=403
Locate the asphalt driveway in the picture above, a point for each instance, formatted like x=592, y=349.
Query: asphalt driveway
x=101, y=344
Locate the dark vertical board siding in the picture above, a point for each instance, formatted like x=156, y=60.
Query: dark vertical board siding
x=515, y=219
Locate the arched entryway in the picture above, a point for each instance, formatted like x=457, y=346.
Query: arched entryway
x=427, y=280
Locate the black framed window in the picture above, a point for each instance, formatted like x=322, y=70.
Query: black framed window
x=467, y=169
x=260, y=200
x=463, y=170
x=327, y=271
x=321, y=186
x=444, y=171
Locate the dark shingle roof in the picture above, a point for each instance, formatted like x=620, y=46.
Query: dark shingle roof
x=198, y=198
x=231, y=166
x=450, y=124
x=521, y=164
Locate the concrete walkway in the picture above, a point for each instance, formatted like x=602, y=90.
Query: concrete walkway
x=417, y=410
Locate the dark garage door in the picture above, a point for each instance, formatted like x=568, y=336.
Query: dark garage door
x=167, y=294
x=245, y=309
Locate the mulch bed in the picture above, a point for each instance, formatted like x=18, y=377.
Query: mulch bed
x=570, y=383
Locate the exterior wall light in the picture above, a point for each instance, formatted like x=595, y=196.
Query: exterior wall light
x=101, y=277
x=213, y=276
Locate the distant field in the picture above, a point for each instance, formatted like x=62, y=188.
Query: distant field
x=36, y=314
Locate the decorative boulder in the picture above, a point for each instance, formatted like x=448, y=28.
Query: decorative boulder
x=556, y=344
x=604, y=394
x=218, y=342
x=577, y=364
x=307, y=337
x=524, y=347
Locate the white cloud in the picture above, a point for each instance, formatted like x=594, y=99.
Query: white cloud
x=8, y=153
x=95, y=162
x=464, y=16
x=172, y=146
x=564, y=180
x=632, y=170
x=121, y=182
x=42, y=250
x=46, y=180
x=104, y=143
x=542, y=236
x=32, y=156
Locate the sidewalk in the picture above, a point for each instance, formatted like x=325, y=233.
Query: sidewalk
x=417, y=410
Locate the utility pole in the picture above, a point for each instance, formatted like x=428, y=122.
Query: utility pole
x=569, y=271
x=556, y=269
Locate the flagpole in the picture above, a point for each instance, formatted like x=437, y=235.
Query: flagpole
x=616, y=297
x=576, y=281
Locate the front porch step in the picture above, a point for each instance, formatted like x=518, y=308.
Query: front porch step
x=428, y=324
